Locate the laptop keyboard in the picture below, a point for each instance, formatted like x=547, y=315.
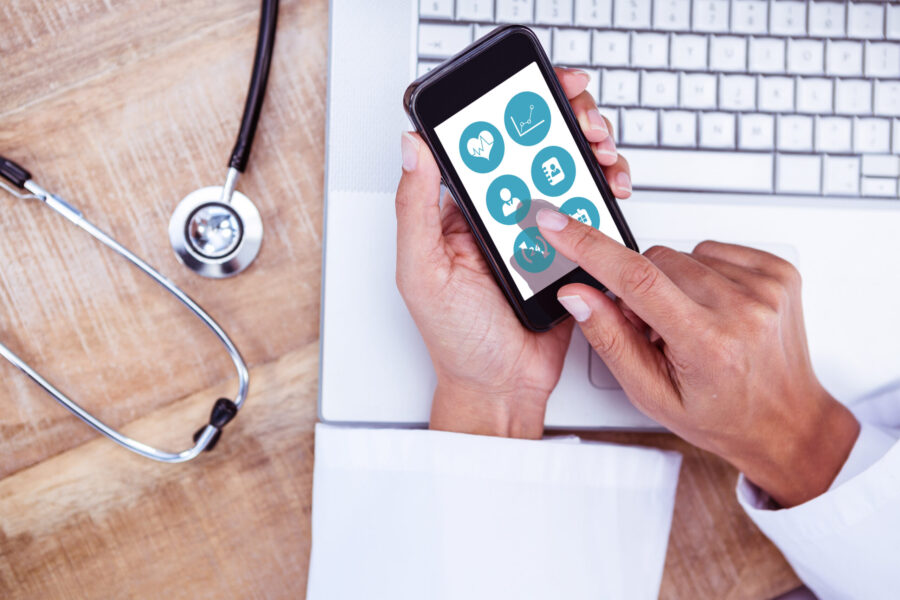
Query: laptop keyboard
x=756, y=96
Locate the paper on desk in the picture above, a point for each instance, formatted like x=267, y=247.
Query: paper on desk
x=425, y=514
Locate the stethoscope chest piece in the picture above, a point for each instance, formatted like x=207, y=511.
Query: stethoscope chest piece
x=216, y=234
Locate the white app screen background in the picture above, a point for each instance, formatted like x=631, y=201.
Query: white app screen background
x=517, y=160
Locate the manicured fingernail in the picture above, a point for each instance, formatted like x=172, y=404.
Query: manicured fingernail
x=597, y=122
x=623, y=181
x=577, y=307
x=551, y=220
x=409, y=152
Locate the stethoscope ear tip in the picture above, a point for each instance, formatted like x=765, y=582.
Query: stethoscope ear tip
x=216, y=231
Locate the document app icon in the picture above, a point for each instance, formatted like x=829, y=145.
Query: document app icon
x=552, y=171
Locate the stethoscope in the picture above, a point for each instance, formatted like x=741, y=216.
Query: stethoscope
x=215, y=231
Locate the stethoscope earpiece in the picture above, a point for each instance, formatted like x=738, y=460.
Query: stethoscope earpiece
x=216, y=231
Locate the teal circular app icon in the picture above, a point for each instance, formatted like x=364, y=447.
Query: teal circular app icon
x=527, y=118
x=553, y=171
x=582, y=210
x=481, y=147
x=533, y=253
x=508, y=199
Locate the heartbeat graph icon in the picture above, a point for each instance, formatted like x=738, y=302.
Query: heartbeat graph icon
x=480, y=146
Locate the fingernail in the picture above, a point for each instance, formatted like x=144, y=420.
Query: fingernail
x=577, y=307
x=623, y=181
x=551, y=220
x=600, y=152
x=409, y=152
x=597, y=122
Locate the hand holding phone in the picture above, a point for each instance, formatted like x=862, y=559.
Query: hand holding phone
x=508, y=143
x=493, y=375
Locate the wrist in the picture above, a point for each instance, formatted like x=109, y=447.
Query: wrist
x=802, y=461
x=482, y=410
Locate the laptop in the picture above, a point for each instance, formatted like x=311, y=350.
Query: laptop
x=774, y=124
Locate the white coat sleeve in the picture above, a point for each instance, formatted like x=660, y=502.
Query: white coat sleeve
x=846, y=542
x=425, y=514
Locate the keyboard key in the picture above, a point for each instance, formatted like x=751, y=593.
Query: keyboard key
x=756, y=132
x=672, y=15
x=553, y=12
x=436, y=9
x=881, y=165
x=798, y=174
x=865, y=20
x=678, y=128
x=728, y=53
x=787, y=18
x=766, y=55
x=572, y=47
x=698, y=90
x=887, y=98
x=475, y=10
x=834, y=134
x=853, y=97
x=737, y=92
x=610, y=48
x=872, y=136
x=443, y=41
x=543, y=35
x=879, y=187
x=425, y=66
x=716, y=130
x=639, y=127
x=806, y=57
x=896, y=136
x=749, y=16
x=593, y=13
x=689, y=52
x=632, y=14
x=814, y=95
x=650, y=50
x=711, y=16
x=515, y=11
x=722, y=171
x=620, y=88
x=844, y=58
x=482, y=30
x=882, y=59
x=659, y=89
x=776, y=94
x=826, y=19
x=841, y=175
x=795, y=133
x=893, y=22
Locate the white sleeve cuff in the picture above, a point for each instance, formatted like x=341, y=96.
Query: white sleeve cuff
x=427, y=514
x=871, y=445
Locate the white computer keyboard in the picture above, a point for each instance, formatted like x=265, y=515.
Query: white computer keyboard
x=760, y=96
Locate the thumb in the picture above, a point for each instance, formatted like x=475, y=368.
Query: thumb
x=639, y=366
x=420, y=237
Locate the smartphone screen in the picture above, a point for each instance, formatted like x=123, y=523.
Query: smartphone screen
x=514, y=154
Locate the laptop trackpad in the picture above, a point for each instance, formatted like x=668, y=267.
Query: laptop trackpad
x=599, y=375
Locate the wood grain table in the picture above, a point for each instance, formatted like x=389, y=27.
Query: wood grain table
x=124, y=107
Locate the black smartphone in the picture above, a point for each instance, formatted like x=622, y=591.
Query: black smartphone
x=508, y=144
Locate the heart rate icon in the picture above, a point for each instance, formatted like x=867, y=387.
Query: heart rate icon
x=481, y=145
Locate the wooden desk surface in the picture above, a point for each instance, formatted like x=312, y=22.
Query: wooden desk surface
x=124, y=107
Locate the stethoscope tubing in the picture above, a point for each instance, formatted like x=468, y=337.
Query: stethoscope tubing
x=205, y=436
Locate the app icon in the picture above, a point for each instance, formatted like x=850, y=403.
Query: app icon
x=553, y=171
x=481, y=147
x=527, y=118
x=508, y=199
x=583, y=210
x=532, y=251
